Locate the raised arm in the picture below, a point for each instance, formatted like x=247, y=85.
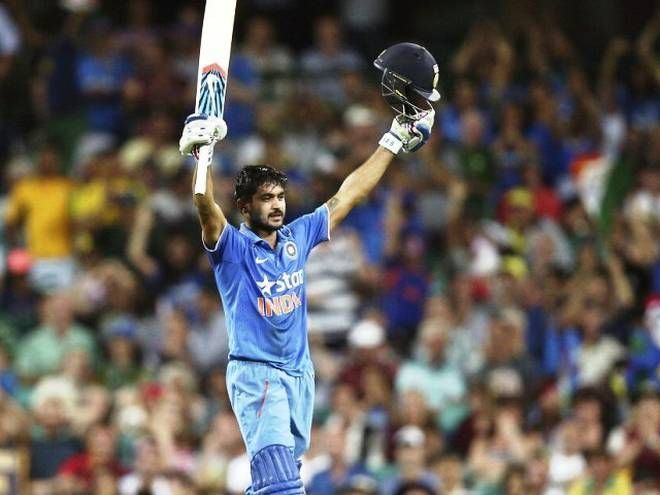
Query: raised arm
x=357, y=186
x=200, y=130
x=408, y=135
x=210, y=214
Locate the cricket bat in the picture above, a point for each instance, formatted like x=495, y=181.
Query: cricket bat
x=214, y=52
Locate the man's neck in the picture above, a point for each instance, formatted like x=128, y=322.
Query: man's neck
x=411, y=472
x=270, y=236
x=60, y=330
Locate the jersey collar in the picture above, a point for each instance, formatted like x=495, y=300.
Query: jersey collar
x=282, y=235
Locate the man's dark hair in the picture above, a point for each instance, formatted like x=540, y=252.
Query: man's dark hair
x=251, y=177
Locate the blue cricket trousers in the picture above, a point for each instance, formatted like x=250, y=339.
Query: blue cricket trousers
x=272, y=407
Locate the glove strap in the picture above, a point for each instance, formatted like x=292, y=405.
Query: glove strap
x=390, y=142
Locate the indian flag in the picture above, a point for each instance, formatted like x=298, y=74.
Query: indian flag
x=602, y=184
x=590, y=173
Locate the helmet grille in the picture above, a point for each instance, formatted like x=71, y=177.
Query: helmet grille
x=401, y=96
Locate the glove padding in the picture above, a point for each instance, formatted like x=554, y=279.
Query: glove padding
x=199, y=130
x=407, y=134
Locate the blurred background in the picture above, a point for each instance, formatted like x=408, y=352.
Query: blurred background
x=488, y=322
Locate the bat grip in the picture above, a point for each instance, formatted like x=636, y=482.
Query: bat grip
x=203, y=162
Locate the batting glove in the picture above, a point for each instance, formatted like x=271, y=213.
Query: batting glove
x=409, y=135
x=199, y=130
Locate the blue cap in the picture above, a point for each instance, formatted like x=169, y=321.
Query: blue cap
x=120, y=326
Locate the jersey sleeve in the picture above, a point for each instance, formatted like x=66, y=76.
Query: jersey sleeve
x=228, y=247
x=313, y=228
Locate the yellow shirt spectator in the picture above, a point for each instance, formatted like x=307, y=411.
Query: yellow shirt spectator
x=42, y=204
x=618, y=483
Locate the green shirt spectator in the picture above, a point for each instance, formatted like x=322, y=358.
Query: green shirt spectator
x=442, y=385
x=44, y=348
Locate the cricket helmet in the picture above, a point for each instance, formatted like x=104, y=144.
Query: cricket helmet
x=410, y=76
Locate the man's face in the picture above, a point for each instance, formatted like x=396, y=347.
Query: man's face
x=101, y=443
x=410, y=456
x=49, y=162
x=267, y=208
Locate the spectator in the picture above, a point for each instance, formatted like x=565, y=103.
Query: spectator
x=222, y=448
x=41, y=205
x=593, y=417
x=207, y=339
x=243, y=94
x=367, y=340
x=51, y=438
x=500, y=444
x=507, y=365
x=334, y=273
x=566, y=460
x=272, y=61
x=598, y=353
x=410, y=458
x=147, y=471
x=347, y=406
x=637, y=445
x=450, y=472
x=473, y=162
x=602, y=475
x=442, y=385
x=406, y=288
x=124, y=366
x=46, y=346
x=18, y=298
x=645, y=351
x=82, y=471
x=360, y=485
x=324, y=65
x=102, y=74
x=339, y=472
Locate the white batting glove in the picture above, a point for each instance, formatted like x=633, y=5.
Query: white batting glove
x=409, y=135
x=199, y=130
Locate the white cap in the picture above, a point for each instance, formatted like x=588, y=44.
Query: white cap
x=410, y=436
x=366, y=334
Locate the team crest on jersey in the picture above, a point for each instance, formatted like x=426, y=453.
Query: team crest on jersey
x=291, y=250
x=212, y=90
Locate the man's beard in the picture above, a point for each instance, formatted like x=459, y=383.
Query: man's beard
x=258, y=224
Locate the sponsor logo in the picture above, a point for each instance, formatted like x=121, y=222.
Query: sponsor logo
x=261, y=260
x=286, y=282
x=276, y=304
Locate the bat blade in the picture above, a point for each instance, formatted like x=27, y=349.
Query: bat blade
x=214, y=53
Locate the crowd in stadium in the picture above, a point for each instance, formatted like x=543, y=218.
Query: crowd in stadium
x=488, y=322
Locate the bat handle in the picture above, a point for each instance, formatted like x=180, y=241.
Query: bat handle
x=203, y=162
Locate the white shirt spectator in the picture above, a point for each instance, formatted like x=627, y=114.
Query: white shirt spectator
x=331, y=271
x=132, y=483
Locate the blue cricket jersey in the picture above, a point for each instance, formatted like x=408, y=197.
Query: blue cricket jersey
x=263, y=290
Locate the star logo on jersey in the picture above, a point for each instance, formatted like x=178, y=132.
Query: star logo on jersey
x=265, y=286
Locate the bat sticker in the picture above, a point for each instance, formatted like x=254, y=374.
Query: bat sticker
x=212, y=90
